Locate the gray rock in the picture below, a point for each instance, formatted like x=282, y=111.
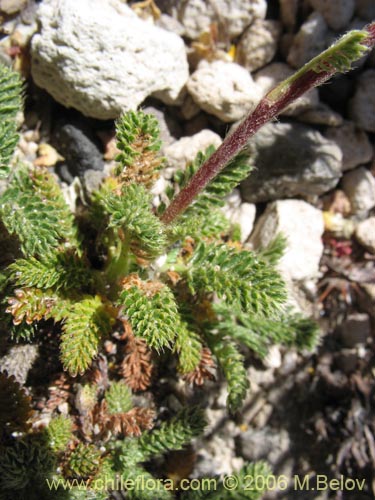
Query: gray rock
x=303, y=226
x=267, y=443
x=288, y=13
x=99, y=58
x=274, y=73
x=75, y=141
x=290, y=160
x=356, y=329
x=258, y=44
x=359, y=187
x=365, y=9
x=19, y=360
x=365, y=233
x=239, y=213
x=362, y=106
x=321, y=115
x=185, y=150
x=223, y=89
x=310, y=40
x=169, y=128
x=234, y=15
x=337, y=13
x=354, y=144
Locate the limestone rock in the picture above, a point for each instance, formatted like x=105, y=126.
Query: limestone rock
x=359, y=187
x=100, y=58
x=365, y=233
x=302, y=225
x=197, y=15
x=258, y=44
x=362, y=106
x=223, y=89
x=354, y=144
x=184, y=150
x=337, y=13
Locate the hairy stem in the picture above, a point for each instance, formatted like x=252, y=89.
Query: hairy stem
x=335, y=59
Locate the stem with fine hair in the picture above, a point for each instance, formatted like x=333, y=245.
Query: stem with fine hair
x=336, y=59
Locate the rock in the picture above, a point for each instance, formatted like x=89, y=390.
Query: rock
x=99, y=58
x=359, y=187
x=274, y=73
x=288, y=13
x=18, y=361
x=337, y=13
x=266, y=443
x=169, y=128
x=365, y=234
x=76, y=142
x=290, y=160
x=362, y=106
x=321, y=115
x=258, y=44
x=223, y=89
x=12, y=6
x=353, y=142
x=239, y=213
x=365, y=9
x=197, y=15
x=310, y=40
x=302, y=225
x=185, y=150
x=356, y=329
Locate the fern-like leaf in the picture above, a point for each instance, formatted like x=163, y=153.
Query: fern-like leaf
x=138, y=141
x=62, y=271
x=84, y=326
x=130, y=211
x=260, y=333
x=10, y=104
x=118, y=398
x=189, y=348
x=173, y=435
x=151, y=310
x=34, y=209
x=231, y=362
x=239, y=276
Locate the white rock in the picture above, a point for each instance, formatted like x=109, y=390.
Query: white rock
x=337, y=13
x=100, y=58
x=362, y=106
x=12, y=6
x=224, y=89
x=302, y=225
x=365, y=233
x=359, y=187
x=185, y=150
x=258, y=44
x=310, y=40
x=273, y=357
x=274, y=73
x=354, y=144
x=197, y=15
x=240, y=213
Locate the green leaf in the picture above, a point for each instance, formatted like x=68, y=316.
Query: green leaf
x=173, y=435
x=237, y=276
x=152, y=313
x=232, y=364
x=10, y=105
x=85, y=324
x=34, y=209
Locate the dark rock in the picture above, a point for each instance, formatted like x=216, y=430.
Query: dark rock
x=291, y=160
x=76, y=142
